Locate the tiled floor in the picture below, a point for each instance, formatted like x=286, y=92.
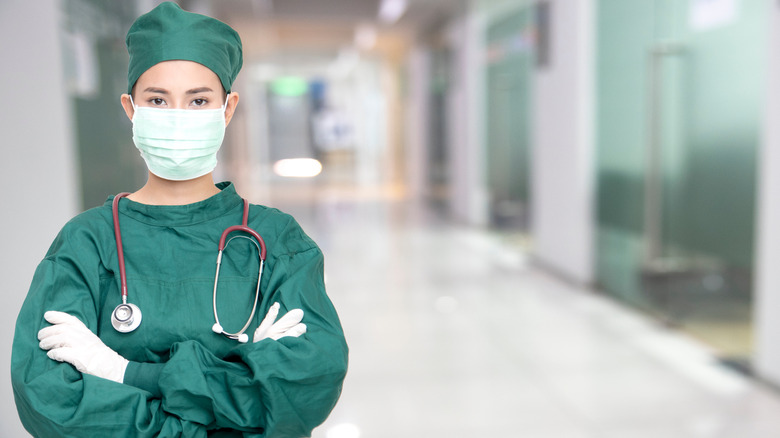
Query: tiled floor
x=455, y=334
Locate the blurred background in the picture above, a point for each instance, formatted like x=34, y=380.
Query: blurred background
x=541, y=218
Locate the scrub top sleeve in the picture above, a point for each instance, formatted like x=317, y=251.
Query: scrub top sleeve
x=145, y=376
x=288, y=386
x=301, y=377
x=53, y=399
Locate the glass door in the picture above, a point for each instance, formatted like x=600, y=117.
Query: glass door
x=678, y=125
x=509, y=71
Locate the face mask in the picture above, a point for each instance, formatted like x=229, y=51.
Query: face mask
x=178, y=144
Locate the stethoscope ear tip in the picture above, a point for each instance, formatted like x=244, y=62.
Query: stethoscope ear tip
x=216, y=328
x=243, y=338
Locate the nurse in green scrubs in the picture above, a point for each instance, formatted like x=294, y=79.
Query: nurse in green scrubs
x=74, y=375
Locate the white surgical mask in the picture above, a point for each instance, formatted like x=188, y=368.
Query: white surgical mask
x=179, y=144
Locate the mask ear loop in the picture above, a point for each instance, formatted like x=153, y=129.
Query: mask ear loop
x=135, y=108
x=224, y=105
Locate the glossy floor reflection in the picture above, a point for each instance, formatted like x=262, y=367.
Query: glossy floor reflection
x=453, y=333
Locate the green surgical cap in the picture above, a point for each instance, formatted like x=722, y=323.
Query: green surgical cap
x=169, y=33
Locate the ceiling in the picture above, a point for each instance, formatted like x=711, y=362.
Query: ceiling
x=270, y=28
x=418, y=12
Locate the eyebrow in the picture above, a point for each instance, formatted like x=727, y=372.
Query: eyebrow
x=156, y=90
x=200, y=90
x=192, y=91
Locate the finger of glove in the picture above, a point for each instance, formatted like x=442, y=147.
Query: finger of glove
x=69, y=355
x=262, y=331
x=270, y=317
x=294, y=332
x=52, y=330
x=66, y=322
x=290, y=319
x=55, y=317
x=62, y=334
x=55, y=340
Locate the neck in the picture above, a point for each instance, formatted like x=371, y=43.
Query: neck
x=158, y=191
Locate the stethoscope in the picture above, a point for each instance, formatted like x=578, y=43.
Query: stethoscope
x=127, y=316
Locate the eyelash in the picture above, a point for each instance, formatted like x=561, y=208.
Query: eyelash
x=158, y=101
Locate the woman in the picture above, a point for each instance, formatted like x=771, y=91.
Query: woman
x=78, y=373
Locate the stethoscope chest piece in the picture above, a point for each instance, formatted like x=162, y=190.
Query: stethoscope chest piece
x=126, y=317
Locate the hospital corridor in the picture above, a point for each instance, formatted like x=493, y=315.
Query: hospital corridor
x=455, y=333
x=539, y=218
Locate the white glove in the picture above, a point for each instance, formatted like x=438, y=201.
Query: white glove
x=69, y=340
x=288, y=325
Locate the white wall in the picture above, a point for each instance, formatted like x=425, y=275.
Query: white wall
x=562, y=159
x=416, y=121
x=767, y=284
x=39, y=195
x=465, y=120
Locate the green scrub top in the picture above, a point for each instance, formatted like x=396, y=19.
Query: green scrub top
x=183, y=379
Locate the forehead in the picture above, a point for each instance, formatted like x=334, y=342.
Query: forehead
x=179, y=74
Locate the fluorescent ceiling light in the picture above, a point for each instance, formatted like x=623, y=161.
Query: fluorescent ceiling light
x=391, y=10
x=298, y=167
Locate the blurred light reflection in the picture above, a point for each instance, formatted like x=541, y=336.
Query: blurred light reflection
x=343, y=430
x=298, y=167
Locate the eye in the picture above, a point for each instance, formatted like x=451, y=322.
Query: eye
x=200, y=102
x=157, y=101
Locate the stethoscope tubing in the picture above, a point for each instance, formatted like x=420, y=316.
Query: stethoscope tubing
x=119, y=249
x=223, y=242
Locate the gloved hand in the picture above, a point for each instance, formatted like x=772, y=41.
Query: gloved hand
x=69, y=340
x=288, y=325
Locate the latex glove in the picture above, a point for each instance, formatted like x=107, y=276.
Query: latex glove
x=69, y=340
x=288, y=325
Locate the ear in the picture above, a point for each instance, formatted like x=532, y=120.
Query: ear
x=127, y=104
x=230, y=106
